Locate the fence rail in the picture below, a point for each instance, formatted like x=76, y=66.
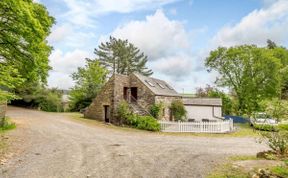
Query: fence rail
x=197, y=127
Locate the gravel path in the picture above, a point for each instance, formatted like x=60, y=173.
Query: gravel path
x=56, y=146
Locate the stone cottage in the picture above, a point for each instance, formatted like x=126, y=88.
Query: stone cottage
x=139, y=91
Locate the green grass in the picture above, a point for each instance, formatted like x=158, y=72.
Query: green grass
x=281, y=171
x=243, y=158
x=8, y=125
x=228, y=171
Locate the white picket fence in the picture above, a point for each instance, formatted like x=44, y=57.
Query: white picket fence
x=197, y=127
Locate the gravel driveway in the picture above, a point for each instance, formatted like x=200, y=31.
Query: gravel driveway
x=56, y=146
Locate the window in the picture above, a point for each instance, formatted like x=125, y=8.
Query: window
x=150, y=83
x=169, y=87
x=161, y=86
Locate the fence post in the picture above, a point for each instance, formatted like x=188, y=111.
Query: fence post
x=231, y=125
x=179, y=127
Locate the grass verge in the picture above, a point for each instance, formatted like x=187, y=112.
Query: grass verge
x=229, y=170
x=242, y=130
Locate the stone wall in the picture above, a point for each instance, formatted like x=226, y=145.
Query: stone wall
x=166, y=100
x=120, y=81
x=104, y=97
x=3, y=108
x=146, y=97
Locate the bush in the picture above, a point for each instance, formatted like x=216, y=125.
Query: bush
x=283, y=127
x=147, y=123
x=143, y=122
x=156, y=110
x=266, y=127
x=123, y=112
x=178, y=110
x=277, y=141
x=51, y=102
x=6, y=124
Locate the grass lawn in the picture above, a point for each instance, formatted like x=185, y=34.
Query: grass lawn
x=229, y=170
x=242, y=130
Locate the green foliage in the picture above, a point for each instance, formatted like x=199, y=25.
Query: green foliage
x=24, y=26
x=6, y=124
x=266, y=127
x=9, y=80
x=216, y=93
x=156, y=110
x=251, y=72
x=49, y=101
x=123, y=113
x=45, y=99
x=276, y=108
x=143, y=122
x=283, y=127
x=280, y=171
x=89, y=80
x=178, y=110
x=122, y=57
x=277, y=141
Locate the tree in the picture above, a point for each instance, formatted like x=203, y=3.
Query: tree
x=213, y=92
x=251, y=72
x=89, y=80
x=276, y=108
x=9, y=80
x=282, y=54
x=24, y=26
x=121, y=57
x=178, y=110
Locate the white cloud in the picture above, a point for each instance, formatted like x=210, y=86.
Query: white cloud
x=59, y=33
x=157, y=35
x=64, y=64
x=266, y=23
x=84, y=11
x=174, y=66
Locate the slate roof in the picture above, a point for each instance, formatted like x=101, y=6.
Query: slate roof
x=158, y=87
x=202, y=101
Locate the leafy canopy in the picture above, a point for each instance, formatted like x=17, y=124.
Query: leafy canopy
x=89, y=80
x=121, y=57
x=24, y=26
x=251, y=72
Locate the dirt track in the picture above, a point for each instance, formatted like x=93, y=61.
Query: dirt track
x=52, y=145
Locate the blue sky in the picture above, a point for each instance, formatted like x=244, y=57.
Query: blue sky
x=176, y=35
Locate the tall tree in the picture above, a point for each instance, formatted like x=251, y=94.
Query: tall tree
x=89, y=80
x=121, y=57
x=282, y=54
x=251, y=72
x=24, y=26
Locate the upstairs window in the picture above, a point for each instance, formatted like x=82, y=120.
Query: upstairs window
x=169, y=87
x=161, y=86
x=150, y=83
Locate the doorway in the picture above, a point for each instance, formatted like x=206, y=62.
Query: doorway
x=106, y=113
x=134, y=94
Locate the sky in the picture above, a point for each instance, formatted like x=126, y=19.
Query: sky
x=176, y=35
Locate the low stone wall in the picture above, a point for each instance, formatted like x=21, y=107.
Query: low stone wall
x=3, y=108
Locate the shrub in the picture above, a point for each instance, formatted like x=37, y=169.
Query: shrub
x=156, y=110
x=147, y=123
x=51, y=102
x=283, y=127
x=143, y=122
x=266, y=127
x=277, y=141
x=6, y=124
x=178, y=110
x=123, y=112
